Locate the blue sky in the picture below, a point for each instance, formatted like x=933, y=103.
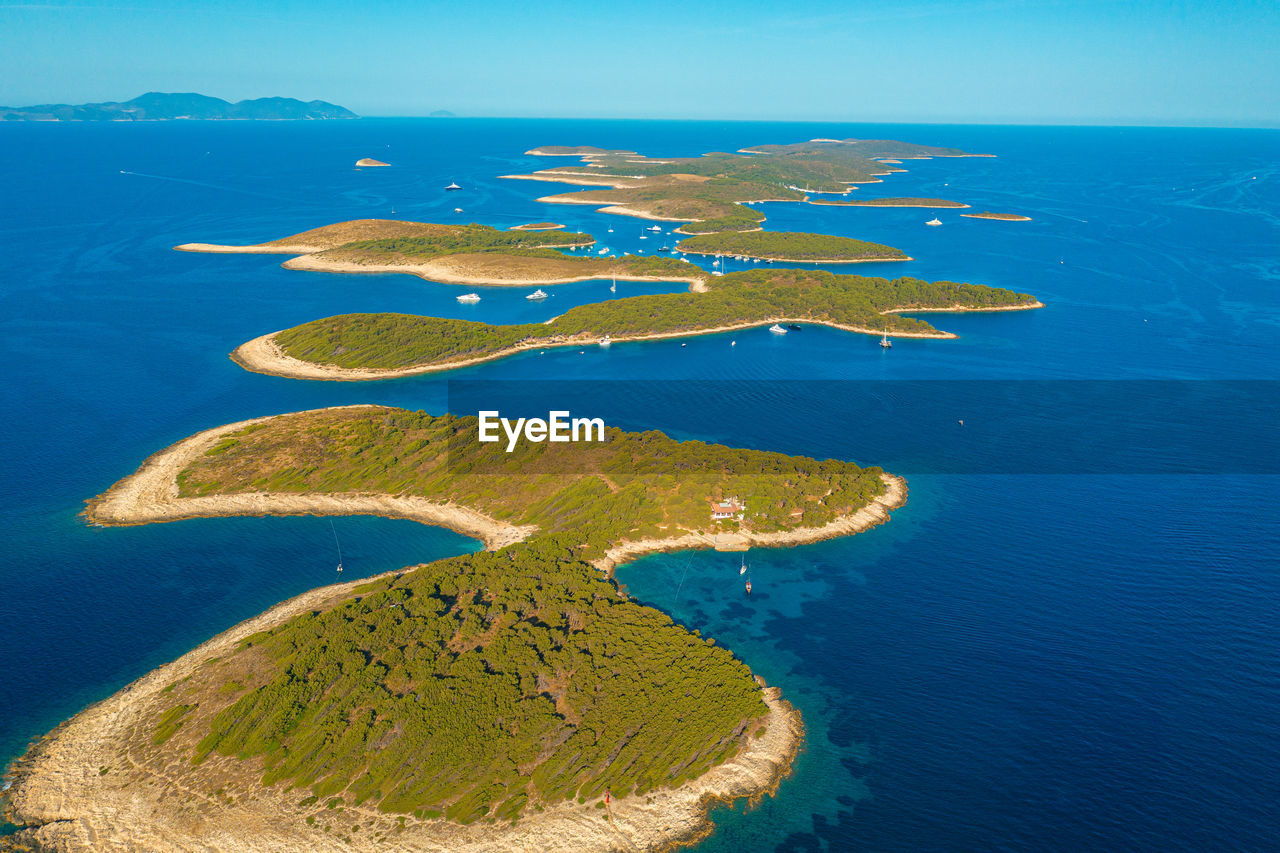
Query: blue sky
x=1100, y=62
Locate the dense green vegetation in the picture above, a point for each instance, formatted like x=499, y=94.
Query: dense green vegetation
x=477, y=686
x=822, y=166
x=790, y=245
x=746, y=220
x=634, y=485
x=389, y=341
x=708, y=191
x=170, y=722
x=473, y=686
x=713, y=204
x=465, y=239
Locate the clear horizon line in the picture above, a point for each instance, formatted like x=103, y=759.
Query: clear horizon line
x=1188, y=124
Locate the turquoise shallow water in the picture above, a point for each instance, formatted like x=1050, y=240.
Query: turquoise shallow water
x=1016, y=662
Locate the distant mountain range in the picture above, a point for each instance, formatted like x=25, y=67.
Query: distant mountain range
x=166, y=106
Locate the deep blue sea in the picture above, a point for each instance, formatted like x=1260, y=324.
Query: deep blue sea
x=1018, y=661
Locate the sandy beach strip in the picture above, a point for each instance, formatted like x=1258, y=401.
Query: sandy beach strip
x=580, y=179
x=150, y=495
x=256, y=249
x=439, y=271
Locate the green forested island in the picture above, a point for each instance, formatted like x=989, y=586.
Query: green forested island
x=601, y=494
x=384, y=237
x=436, y=241
x=395, y=341
x=470, y=688
x=471, y=254
x=790, y=246
x=710, y=192
x=484, y=686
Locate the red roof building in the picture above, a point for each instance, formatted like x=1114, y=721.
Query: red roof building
x=729, y=508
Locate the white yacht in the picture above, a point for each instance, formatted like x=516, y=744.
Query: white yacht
x=452, y=186
x=537, y=294
x=469, y=298
x=934, y=221
x=777, y=330
x=606, y=341
x=655, y=228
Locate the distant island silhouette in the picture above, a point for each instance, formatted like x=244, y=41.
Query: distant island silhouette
x=169, y=106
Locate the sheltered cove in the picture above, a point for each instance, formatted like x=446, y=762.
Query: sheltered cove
x=85, y=786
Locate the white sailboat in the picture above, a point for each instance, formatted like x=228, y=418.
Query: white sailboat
x=884, y=340
x=537, y=294
x=613, y=286
x=469, y=298
x=336, y=544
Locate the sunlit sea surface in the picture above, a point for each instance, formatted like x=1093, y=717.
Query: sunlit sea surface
x=1016, y=662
